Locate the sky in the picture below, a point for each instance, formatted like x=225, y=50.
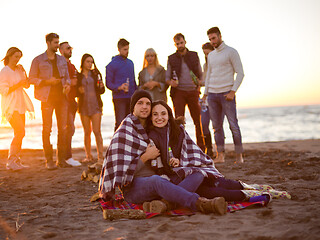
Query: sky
x=278, y=40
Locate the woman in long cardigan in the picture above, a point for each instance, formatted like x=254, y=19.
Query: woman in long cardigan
x=152, y=76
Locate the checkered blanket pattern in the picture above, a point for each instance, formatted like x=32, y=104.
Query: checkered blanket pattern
x=126, y=146
x=193, y=159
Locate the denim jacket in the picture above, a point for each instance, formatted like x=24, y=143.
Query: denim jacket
x=41, y=69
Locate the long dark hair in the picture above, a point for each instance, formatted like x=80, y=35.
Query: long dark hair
x=9, y=54
x=174, y=123
x=95, y=69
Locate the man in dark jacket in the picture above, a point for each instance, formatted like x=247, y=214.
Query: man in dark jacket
x=185, y=65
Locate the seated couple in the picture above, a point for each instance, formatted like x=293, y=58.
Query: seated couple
x=134, y=162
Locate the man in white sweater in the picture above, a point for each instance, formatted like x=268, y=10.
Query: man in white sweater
x=220, y=89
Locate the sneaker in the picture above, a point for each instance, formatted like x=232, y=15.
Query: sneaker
x=20, y=163
x=265, y=197
x=13, y=164
x=73, y=162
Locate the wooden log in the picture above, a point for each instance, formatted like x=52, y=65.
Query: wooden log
x=95, y=197
x=96, y=178
x=113, y=214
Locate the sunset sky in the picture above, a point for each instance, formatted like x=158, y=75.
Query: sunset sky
x=278, y=40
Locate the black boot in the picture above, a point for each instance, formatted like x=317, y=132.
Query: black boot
x=48, y=153
x=209, y=148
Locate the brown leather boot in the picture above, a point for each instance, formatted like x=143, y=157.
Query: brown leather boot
x=62, y=164
x=217, y=205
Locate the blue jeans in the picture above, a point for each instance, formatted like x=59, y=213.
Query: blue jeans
x=205, y=120
x=222, y=187
x=60, y=106
x=190, y=182
x=218, y=108
x=121, y=110
x=144, y=189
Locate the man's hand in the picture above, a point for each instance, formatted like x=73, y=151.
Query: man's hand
x=73, y=81
x=204, y=98
x=174, y=162
x=53, y=81
x=152, y=152
x=66, y=89
x=124, y=87
x=172, y=83
x=230, y=96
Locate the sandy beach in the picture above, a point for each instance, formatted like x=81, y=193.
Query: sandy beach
x=42, y=204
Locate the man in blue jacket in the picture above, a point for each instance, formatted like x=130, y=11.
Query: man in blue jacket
x=120, y=80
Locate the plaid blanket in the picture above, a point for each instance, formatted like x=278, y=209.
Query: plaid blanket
x=232, y=207
x=126, y=146
x=193, y=159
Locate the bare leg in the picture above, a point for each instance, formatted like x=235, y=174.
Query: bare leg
x=86, y=124
x=96, y=126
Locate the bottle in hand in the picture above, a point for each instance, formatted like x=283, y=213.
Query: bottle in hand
x=175, y=77
x=127, y=88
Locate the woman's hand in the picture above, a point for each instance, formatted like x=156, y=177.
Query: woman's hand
x=25, y=83
x=101, y=85
x=150, y=85
x=152, y=152
x=174, y=162
x=20, y=67
x=81, y=90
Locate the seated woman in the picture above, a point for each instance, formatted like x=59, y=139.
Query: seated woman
x=180, y=156
x=126, y=167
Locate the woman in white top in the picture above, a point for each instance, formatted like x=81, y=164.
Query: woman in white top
x=14, y=103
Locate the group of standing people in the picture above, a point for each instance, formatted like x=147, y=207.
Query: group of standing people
x=58, y=83
x=185, y=77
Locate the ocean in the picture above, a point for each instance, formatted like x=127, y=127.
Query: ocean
x=256, y=124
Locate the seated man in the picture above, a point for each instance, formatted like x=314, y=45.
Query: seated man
x=127, y=166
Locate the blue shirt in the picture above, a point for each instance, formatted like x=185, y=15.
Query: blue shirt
x=117, y=72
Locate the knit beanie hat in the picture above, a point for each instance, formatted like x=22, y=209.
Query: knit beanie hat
x=136, y=96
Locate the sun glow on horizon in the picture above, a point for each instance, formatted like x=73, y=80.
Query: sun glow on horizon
x=280, y=60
